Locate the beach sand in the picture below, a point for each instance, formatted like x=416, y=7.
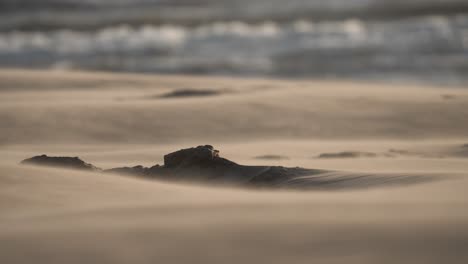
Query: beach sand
x=51, y=215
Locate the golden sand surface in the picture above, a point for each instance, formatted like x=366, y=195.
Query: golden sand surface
x=51, y=215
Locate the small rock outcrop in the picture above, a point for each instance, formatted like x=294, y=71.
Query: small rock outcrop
x=189, y=93
x=199, y=156
x=201, y=163
x=135, y=170
x=204, y=164
x=63, y=162
x=346, y=154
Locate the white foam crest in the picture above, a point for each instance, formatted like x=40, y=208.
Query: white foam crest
x=121, y=38
x=166, y=37
x=17, y=41
x=220, y=40
x=464, y=38
x=237, y=29
x=441, y=24
x=303, y=26
x=354, y=27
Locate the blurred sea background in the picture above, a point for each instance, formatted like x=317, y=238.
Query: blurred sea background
x=383, y=40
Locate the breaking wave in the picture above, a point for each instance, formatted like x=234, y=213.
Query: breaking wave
x=351, y=48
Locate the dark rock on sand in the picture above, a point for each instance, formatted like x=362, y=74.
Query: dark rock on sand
x=271, y=157
x=346, y=154
x=461, y=151
x=205, y=160
x=448, y=96
x=136, y=170
x=63, y=162
x=199, y=156
x=204, y=164
x=189, y=93
x=201, y=163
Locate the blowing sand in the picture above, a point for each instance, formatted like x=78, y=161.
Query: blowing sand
x=51, y=215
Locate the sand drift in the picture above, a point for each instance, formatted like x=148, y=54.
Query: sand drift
x=203, y=164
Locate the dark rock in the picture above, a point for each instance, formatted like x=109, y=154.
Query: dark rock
x=448, y=96
x=204, y=164
x=189, y=93
x=199, y=156
x=63, y=162
x=272, y=157
x=201, y=163
x=462, y=151
x=346, y=154
x=279, y=174
x=136, y=170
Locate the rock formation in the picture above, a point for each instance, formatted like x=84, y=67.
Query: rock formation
x=204, y=164
x=189, y=93
x=64, y=162
x=199, y=156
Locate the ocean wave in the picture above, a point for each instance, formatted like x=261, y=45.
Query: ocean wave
x=170, y=37
x=299, y=48
x=94, y=14
x=105, y=40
